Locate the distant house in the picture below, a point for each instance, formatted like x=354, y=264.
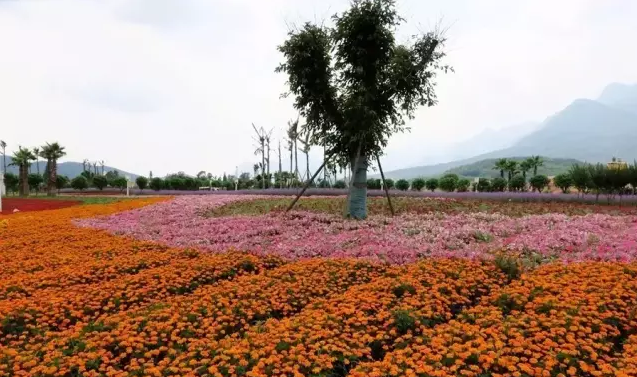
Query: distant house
x=617, y=164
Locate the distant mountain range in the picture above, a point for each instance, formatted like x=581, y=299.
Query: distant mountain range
x=70, y=169
x=586, y=130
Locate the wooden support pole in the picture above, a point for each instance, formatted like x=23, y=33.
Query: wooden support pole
x=382, y=175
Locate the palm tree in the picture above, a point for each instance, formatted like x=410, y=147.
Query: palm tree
x=525, y=166
x=52, y=153
x=536, y=162
x=3, y=145
x=501, y=165
x=293, y=136
x=511, y=168
x=22, y=159
x=36, y=153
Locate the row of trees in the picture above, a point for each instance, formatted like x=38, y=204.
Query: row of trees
x=24, y=157
x=599, y=179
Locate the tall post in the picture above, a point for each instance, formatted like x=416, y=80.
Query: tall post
x=382, y=175
x=127, y=186
x=2, y=189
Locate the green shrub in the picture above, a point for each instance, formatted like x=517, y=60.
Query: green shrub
x=498, y=184
x=539, y=182
x=432, y=184
x=389, y=183
x=373, y=184
x=79, y=183
x=34, y=181
x=417, y=184
x=463, y=185
x=517, y=183
x=142, y=182
x=484, y=185
x=563, y=181
x=340, y=184
x=11, y=182
x=61, y=181
x=100, y=182
x=402, y=185
x=449, y=182
x=120, y=183
x=156, y=184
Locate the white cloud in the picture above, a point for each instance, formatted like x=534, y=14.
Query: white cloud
x=169, y=85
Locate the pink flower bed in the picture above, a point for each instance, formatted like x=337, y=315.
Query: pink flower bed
x=397, y=240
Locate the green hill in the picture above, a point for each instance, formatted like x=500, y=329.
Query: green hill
x=484, y=168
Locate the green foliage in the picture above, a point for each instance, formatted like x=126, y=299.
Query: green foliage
x=501, y=165
x=563, y=181
x=340, y=184
x=432, y=184
x=511, y=168
x=142, y=182
x=418, y=184
x=498, y=184
x=539, y=182
x=463, y=185
x=373, y=184
x=483, y=185
x=389, y=183
x=11, y=182
x=402, y=184
x=156, y=184
x=120, y=183
x=79, y=183
x=35, y=180
x=353, y=84
x=100, y=182
x=449, y=182
x=61, y=182
x=517, y=183
x=581, y=177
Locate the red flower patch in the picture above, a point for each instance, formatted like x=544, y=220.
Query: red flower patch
x=9, y=205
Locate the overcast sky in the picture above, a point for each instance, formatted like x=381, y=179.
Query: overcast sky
x=169, y=85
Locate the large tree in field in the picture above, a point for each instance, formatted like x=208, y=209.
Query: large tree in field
x=355, y=85
x=501, y=164
x=22, y=159
x=52, y=153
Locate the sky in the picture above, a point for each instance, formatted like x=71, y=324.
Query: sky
x=175, y=85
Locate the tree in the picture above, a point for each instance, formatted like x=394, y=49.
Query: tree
x=100, y=182
x=11, y=182
x=402, y=184
x=632, y=173
x=79, y=183
x=3, y=145
x=340, y=184
x=293, y=136
x=501, y=165
x=535, y=162
x=354, y=85
x=142, y=182
x=52, y=153
x=61, y=182
x=483, y=185
x=156, y=184
x=563, y=181
x=517, y=183
x=373, y=184
x=260, y=140
x=36, y=153
x=448, y=182
x=539, y=182
x=580, y=177
x=498, y=184
x=22, y=159
x=598, y=179
x=389, y=183
x=306, y=146
x=463, y=185
x=417, y=184
x=35, y=180
x=121, y=183
x=431, y=184
x=511, y=168
x=525, y=166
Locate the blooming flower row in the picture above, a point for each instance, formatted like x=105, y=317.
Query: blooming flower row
x=403, y=239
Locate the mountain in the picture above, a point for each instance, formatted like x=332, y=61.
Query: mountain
x=484, y=168
x=70, y=169
x=586, y=130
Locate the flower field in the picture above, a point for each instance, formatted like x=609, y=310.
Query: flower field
x=230, y=286
x=9, y=205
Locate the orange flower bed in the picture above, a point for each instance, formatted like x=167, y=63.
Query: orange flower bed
x=81, y=302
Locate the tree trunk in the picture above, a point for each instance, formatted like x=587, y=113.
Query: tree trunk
x=24, y=180
x=50, y=189
x=296, y=160
x=37, y=165
x=357, y=198
x=307, y=165
x=262, y=165
x=291, y=167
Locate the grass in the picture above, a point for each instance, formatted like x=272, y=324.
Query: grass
x=85, y=199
